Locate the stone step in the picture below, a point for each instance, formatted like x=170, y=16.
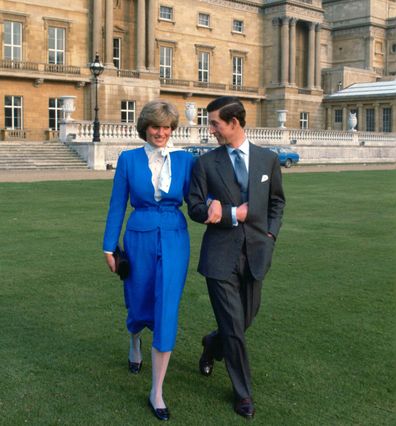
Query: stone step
x=40, y=155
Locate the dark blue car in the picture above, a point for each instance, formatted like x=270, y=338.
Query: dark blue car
x=286, y=156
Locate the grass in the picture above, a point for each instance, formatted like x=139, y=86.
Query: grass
x=322, y=348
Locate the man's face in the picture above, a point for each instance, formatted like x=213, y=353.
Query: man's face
x=220, y=128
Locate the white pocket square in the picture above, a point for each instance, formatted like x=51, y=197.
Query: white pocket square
x=264, y=178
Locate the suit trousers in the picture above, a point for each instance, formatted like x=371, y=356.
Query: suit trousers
x=235, y=302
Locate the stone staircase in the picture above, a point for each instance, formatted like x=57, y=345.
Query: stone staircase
x=37, y=156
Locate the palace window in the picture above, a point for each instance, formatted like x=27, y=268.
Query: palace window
x=370, y=120
x=304, y=116
x=237, y=26
x=166, y=58
x=56, y=45
x=202, y=117
x=387, y=119
x=54, y=113
x=237, y=71
x=12, y=40
x=13, y=112
x=203, y=20
x=128, y=109
x=203, y=67
x=393, y=48
x=166, y=13
x=338, y=116
x=117, y=52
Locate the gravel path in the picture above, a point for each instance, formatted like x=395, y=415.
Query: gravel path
x=65, y=174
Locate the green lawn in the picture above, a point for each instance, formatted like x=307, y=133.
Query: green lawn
x=322, y=349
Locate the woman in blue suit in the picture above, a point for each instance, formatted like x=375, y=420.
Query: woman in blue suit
x=155, y=179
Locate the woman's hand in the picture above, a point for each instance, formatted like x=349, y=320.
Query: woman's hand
x=215, y=212
x=110, y=261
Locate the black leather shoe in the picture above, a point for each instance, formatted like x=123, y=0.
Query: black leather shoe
x=160, y=413
x=135, y=367
x=245, y=408
x=207, y=360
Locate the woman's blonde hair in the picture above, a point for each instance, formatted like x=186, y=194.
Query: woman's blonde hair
x=157, y=113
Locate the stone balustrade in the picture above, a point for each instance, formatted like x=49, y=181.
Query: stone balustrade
x=314, y=146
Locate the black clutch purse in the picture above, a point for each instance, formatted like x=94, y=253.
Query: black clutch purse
x=122, y=263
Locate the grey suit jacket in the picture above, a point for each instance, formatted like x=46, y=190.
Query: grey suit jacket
x=213, y=177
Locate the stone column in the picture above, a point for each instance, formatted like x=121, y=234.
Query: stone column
x=275, y=50
x=284, y=68
x=141, y=35
x=361, y=118
x=344, y=118
x=369, y=52
x=311, y=56
x=150, y=32
x=329, y=116
x=376, y=118
x=317, y=57
x=109, y=34
x=96, y=28
x=292, y=51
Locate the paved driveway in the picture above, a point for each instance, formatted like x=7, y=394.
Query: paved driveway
x=65, y=174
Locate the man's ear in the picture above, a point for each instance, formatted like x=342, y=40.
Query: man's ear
x=234, y=121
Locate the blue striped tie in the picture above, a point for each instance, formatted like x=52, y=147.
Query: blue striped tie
x=241, y=174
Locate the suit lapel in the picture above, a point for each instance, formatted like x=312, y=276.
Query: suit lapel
x=226, y=172
x=256, y=168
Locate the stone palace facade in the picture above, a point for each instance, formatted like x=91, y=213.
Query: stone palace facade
x=275, y=55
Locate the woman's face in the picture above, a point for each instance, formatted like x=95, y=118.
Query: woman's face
x=158, y=136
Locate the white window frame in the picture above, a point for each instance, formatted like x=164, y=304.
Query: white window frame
x=237, y=71
x=57, y=111
x=203, y=67
x=117, y=52
x=202, y=117
x=238, y=26
x=203, y=19
x=166, y=61
x=304, y=120
x=166, y=13
x=16, y=111
x=15, y=46
x=59, y=52
x=128, y=108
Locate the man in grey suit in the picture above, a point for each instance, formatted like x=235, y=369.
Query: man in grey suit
x=236, y=190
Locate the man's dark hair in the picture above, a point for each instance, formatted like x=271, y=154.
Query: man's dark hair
x=229, y=107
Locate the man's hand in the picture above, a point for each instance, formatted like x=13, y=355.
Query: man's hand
x=241, y=212
x=214, y=212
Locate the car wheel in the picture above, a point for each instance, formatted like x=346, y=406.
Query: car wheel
x=288, y=163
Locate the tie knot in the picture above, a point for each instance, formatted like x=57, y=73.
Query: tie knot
x=237, y=153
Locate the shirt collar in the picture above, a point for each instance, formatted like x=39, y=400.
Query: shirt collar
x=244, y=147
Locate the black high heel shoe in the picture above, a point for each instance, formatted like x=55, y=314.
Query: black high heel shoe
x=159, y=413
x=135, y=367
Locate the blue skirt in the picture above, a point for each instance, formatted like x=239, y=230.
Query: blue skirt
x=159, y=264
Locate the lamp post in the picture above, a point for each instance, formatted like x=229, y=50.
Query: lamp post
x=96, y=69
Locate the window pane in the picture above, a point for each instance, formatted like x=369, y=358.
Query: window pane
x=338, y=116
x=237, y=26
x=166, y=12
x=387, y=119
x=203, y=19
x=370, y=120
x=12, y=43
x=127, y=111
x=56, y=45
